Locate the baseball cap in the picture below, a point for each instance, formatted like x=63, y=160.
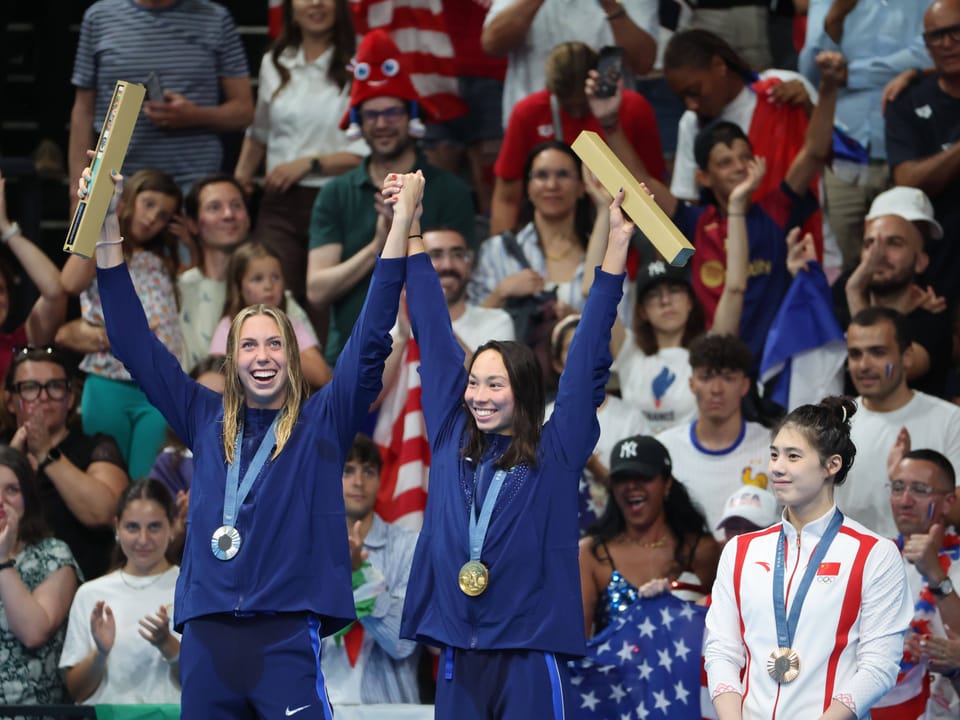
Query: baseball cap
x=656, y=272
x=640, y=455
x=753, y=504
x=910, y=204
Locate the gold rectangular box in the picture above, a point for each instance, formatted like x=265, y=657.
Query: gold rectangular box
x=642, y=208
x=122, y=114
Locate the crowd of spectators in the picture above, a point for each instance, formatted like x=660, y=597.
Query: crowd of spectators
x=840, y=171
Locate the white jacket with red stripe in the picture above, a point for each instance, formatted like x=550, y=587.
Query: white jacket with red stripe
x=850, y=633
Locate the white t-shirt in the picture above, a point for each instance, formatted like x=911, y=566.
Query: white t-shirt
x=658, y=384
x=479, y=324
x=201, y=307
x=711, y=476
x=932, y=423
x=560, y=21
x=136, y=671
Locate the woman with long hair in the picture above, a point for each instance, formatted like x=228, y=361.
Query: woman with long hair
x=496, y=563
x=38, y=577
x=649, y=531
x=303, y=92
x=266, y=567
x=809, y=614
x=556, y=220
x=120, y=648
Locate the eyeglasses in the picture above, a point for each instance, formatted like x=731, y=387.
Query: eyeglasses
x=918, y=490
x=458, y=255
x=29, y=390
x=391, y=116
x=543, y=176
x=936, y=38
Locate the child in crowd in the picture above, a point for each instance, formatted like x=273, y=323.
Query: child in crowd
x=111, y=403
x=120, y=648
x=254, y=277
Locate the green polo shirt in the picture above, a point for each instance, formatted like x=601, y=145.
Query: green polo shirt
x=343, y=214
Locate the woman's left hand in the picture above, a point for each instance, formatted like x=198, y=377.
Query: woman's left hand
x=285, y=175
x=155, y=629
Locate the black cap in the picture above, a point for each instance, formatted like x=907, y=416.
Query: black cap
x=657, y=272
x=640, y=455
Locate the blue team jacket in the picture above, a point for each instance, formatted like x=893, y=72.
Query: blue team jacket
x=294, y=555
x=533, y=600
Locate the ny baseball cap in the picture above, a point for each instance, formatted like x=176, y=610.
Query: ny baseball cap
x=910, y=204
x=640, y=455
x=657, y=272
x=753, y=504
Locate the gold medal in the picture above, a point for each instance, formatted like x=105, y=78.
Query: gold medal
x=784, y=665
x=474, y=578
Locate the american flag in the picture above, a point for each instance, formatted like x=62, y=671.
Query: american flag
x=401, y=434
x=645, y=666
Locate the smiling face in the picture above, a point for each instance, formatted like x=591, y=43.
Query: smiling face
x=261, y=361
x=385, y=127
x=554, y=184
x=316, y=18
x=900, y=246
x=640, y=499
x=914, y=512
x=800, y=477
x=263, y=282
x=451, y=259
x=144, y=533
x=489, y=396
x=727, y=167
x=874, y=360
x=222, y=219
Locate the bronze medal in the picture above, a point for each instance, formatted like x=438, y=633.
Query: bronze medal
x=474, y=577
x=784, y=665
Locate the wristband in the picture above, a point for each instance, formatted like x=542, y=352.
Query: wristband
x=8, y=564
x=415, y=235
x=100, y=243
x=618, y=13
x=10, y=233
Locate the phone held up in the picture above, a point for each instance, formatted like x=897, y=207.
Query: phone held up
x=610, y=69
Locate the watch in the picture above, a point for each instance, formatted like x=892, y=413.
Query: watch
x=53, y=455
x=316, y=168
x=943, y=589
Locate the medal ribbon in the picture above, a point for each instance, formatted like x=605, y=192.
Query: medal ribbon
x=478, y=527
x=236, y=491
x=786, y=626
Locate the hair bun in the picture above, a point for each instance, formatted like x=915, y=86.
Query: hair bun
x=842, y=407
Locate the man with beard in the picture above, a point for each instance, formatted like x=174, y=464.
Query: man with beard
x=349, y=223
x=899, y=224
x=878, y=353
x=367, y=662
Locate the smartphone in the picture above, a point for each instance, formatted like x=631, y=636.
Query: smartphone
x=154, y=88
x=610, y=69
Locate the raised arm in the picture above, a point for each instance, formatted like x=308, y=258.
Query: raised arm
x=607, y=112
x=597, y=248
x=49, y=309
x=509, y=27
x=726, y=320
x=818, y=143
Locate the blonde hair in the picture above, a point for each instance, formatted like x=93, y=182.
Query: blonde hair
x=234, y=395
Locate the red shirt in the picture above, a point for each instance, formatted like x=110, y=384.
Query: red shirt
x=465, y=25
x=531, y=123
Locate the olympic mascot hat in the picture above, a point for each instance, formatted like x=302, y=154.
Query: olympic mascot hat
x=377, y=72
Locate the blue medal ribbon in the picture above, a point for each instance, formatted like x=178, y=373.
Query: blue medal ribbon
x=787, y=626
x=236, y=491
x=478, y=526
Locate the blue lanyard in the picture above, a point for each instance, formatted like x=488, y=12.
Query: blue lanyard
x=785, y=626
x=235, y=491
x=478, y=527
